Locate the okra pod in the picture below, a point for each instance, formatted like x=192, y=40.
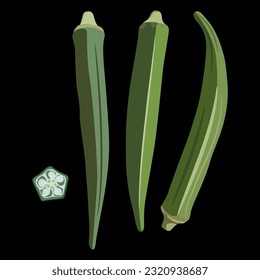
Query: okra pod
x=204, y=134
x=88, y=40
x=143, y=109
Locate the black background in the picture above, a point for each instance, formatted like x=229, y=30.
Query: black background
x=41, y=128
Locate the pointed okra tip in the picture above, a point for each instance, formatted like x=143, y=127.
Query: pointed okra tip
x=199, y=17
x=140, y=225
x=155, y=16
x=92, y=243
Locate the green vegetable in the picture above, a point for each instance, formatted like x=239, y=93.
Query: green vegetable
x=51, y=184
x=88, y=40
x=143, y=108
x=204, y=134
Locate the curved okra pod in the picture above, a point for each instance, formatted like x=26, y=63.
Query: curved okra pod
x=143, y=108
x=88, y=40
x=204, y=134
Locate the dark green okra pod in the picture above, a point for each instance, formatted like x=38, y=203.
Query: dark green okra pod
x=88, y=39
x=204, y=134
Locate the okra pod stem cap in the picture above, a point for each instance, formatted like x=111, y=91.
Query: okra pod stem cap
x=88, y=20
x=169, y=222
x=155, y=16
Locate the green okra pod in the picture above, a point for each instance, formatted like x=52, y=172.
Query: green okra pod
x=143, y=109
x=88, y=40
x=204, y=134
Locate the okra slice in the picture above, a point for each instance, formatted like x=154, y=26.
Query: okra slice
x=51, y=184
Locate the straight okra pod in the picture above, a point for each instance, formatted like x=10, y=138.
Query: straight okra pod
x=143, y=109
x=88, y=40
